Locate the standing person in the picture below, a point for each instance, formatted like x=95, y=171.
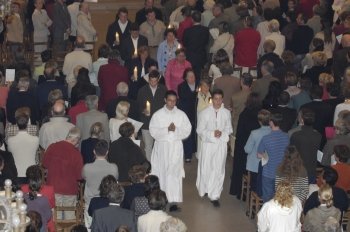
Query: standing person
x=167, y=48
x=41, y=23
x=154, y=94
x=214, y=128
x=141, y=15
x=73, y=10
x=84, y=25
x=61, y=25
x=130, y=44
x=169, y=126
x=14, y=31
x=119, y=29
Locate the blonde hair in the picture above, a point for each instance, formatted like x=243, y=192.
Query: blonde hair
x=325, y=195
x=325, y=78
x=122, y=110
x=284, y=194
x=96, y=129
x=319, y=58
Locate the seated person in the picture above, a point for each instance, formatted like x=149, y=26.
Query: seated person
x=8, y=168
x=342, y=155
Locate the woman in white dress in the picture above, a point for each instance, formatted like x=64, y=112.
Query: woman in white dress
x=41, y=23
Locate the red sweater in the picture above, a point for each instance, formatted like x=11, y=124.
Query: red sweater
x=247, y=42
x=79, y=108
x=64, y=164
x=186, y=23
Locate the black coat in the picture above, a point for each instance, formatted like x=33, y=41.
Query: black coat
x=340, y=63
x=112, y=105
x=112, y=29
x=274, y=58
x=141, y=15
x=125, y=154
x=9, y=171
x=289, y=117
x=127, y=47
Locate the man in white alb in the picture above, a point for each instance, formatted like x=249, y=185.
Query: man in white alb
x=169, y=126
x=214, y=127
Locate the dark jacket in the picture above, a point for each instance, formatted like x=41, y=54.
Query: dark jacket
x=112, y=29
x=9, y=171
x=112, y=105
x=301, y=39
x=127, y=47
x=274, y=58
x=141, y=15
x=289, y=117
x=187, y=101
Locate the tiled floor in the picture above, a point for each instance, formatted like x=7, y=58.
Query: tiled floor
x=200, y=216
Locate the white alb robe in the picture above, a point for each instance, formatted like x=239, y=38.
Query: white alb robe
x=213, y=152
x=167, y=153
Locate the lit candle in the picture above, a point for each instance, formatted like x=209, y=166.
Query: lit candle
x=179, y=46
x=117, y=37
x=170, y=26
x=199, y=89
x=148, y=107
x=135, y=52
x=135, y=72
x=210, y=101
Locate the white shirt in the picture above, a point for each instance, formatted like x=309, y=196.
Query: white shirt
x=73, y=10
x=151, y=221
x=279, y=40
x=340, y=107
x=75, y=58
x=122, y=25
x=134, y=42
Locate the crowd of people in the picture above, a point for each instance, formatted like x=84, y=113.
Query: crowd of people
x=267, y=82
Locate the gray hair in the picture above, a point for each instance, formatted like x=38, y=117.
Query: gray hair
x=91, y=102
x=73, y=134
x=122, y=89
x=173, y=225
x=331, y=225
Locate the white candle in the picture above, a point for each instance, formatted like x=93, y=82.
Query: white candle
x=170, y=26
x=117, y=37
x=210, y=101
x=135, y=52
x=148, y=107
x=179, y=46
x=135, y=72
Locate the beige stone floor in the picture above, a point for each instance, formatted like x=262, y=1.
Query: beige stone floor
x=200, y=216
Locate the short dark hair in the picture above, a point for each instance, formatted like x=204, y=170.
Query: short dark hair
x=330, y=175
x=157, y=200
x=187, y=70
x=150, y=10
x=79, y=228
x=121, y=10
x=247, y=79
x=276, y=119
x=46, y=56
x=22, y=121
x=180, y=50
x=196, y=16
x=170, y=30
x=35, y=221
x=186, y=11
x=151, y=183
x=342, y=152
x=316, y=92
x=170, y=93
x=101, y=147
x=137, y=173
x=308, y=116
x=154, y=74
x=105, y=186
x=134, y=27
x=217, y=92
x=35, y=177
x=103, y=51
x=284, y=98
x=126, y=129
x=116, y=195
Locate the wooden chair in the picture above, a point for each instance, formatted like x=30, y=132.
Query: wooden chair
x=64, y=225
x=254, y=205
x=245, y=187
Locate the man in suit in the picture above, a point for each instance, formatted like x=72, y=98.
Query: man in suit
x=341, y=58
x=87, y=119
x=130, y=44
x=121, y=25
x=269, y=47
x=195, y=40
x=109, y=76
x=154, y=94
x=227, y=83
x=322, y=110
x=61, y=25
x=108, y=219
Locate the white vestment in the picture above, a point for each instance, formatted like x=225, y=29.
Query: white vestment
x=213, y=152
x=167, y=154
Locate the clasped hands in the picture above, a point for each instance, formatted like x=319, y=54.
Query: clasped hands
x=217, y=133
x=171, y=127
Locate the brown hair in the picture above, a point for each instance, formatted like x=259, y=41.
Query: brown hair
x=292, y=165
x=264, y=117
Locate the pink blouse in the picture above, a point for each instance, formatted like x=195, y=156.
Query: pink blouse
x=174, y=73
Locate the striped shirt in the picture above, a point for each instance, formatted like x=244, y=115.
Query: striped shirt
x=300, y=186
x=274, y=144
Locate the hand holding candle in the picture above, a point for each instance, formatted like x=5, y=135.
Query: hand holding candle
x=135, y=53
x=148, y=108
x=135, y=73
x=117, y=41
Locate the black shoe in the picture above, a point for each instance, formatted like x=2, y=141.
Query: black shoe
x=215, y=203
x=174, y=208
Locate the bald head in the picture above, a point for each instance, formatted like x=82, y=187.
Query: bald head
x=58, y=109
x=345, y=40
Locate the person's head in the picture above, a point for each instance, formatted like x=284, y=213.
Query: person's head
x=153, y=78
x=50, y=70
x=126, y=130
x=264, y=117
x=151, y=15
x=288, y=57
x=101, y=148
x=116, y=195
x=325, y=195
x=96, y=130
x=170, y=35
x=91, y=102
x=276, y=120
x=248, y=22
x=221, y=56
x=35, y=178
x=122, y=110
x=319, y=58
x=342, y=153
x=292, y=165
x=123, y=228
x=301, y=19
x=143, y=52
x=225, y=68
x=58, y=109
x=329, y=176
x=122, y=15
x=223, y=27
x=284, y=98
x=114, y=55
x=291, y=4
x=134, y=30
x=157, y=200
x=149, y=4
x=79, y=228
x=246, y=80
x=267, y=68
x=274, y=25
x=106, y=185
x=346, y=91
x=316, y=92
x=170, y=99
x=242, y=10
x=83, y=77
x=284, y=194
x=39, y=4
x=208, y=4
x=180, y=55
x=340, y=126
x=137, y=174
x=173, y=225
x=15, y=7
x=151, y=184
x=291, y=79
x=80, y=42
x=103, y=51
x=331, y=224
x=317, y=44
x=23, y=83
x=54, y=95
x=305, y=84
x=122, y=89
x=189, y=76
x=186, y=11
x=22, y=121
x=324, y=79
x=217, y=98
x=307, y=116
x=35, y=221
x=196, y=16
x=84, y=7
x=269, y=46
x=253, y=101
x=74, y=136
x=217, y=10
x=345, y=40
